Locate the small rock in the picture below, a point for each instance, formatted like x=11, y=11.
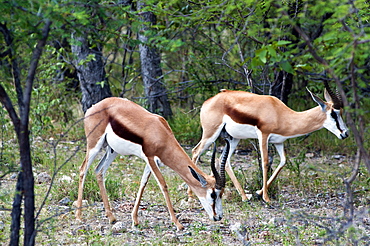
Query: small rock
x=43, y=178
x=310, y=155
x=126, y=207
x=236, y=227
x=337, y=156
x=82, y=229
x=264, y=234
x=185, y=218
x=63, y=209
x=85, y=203
x=186, y=234
x=97, y=227
x=171, y=238
x=14, y=176
x=4, y=214
x=65, y=201
x=249, y=196
x=241, y=232
x=65, y=179
x=276, y=221
x=366, y=221
x=318, y=241
x=118, y=227
x=183, y=186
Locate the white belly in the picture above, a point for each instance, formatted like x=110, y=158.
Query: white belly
x=244, y=131
x=122, y=146
x=240, y=131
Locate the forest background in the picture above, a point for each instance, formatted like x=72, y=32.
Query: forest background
x=60, y=57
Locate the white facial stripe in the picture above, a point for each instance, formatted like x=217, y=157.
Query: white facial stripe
x=339, y=120
x=212, y=205
x=218, y=204
x=334, y=123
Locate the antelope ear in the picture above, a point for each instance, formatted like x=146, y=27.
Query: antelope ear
x=198, y=177
x=327, y=96
x=318, y=100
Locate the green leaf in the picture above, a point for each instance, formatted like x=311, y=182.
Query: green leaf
x=283, y=42
x=262, y=54
x=285, y=65
x=272, y=51
x=304, y=66
x=101, y=83
x=256, y=62
x=82, y=16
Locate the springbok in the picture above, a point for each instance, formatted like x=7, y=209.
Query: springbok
x=246, y=115
x=125, y=128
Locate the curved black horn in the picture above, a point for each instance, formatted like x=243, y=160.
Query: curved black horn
x=225, y=154
x=337, y=99
x=340, y=101
x=213, y=166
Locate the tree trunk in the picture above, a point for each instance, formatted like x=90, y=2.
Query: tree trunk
x=28, y=187
x=282, y=86
x=90, y=71
x=16, y=212
x=151, y=71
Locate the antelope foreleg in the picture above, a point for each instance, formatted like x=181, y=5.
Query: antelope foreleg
x=103, y=194
x=233, y=143
x=162, y=184
x=100, y=173
x=89, y=158
x=80, y=188
x=280, y=149
x=235, y=181
x=263, y=143
x=143, y=182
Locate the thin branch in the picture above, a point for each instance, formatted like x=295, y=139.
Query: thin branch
x=16, y=73
x=24, y=112
x=7, y=102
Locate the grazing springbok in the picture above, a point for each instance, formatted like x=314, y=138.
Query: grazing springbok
x=246, y=115
x=125, y=128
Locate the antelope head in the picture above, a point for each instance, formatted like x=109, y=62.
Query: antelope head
x=211, y=200
x=333, y=108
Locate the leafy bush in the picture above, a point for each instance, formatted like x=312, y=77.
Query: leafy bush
x=186, y=126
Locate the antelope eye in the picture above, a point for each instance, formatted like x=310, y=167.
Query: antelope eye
x=333, y=115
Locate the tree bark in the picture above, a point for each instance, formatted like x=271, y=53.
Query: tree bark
x=282, y=86
x=90, y=71
x=16, y=212
x=151, y=71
